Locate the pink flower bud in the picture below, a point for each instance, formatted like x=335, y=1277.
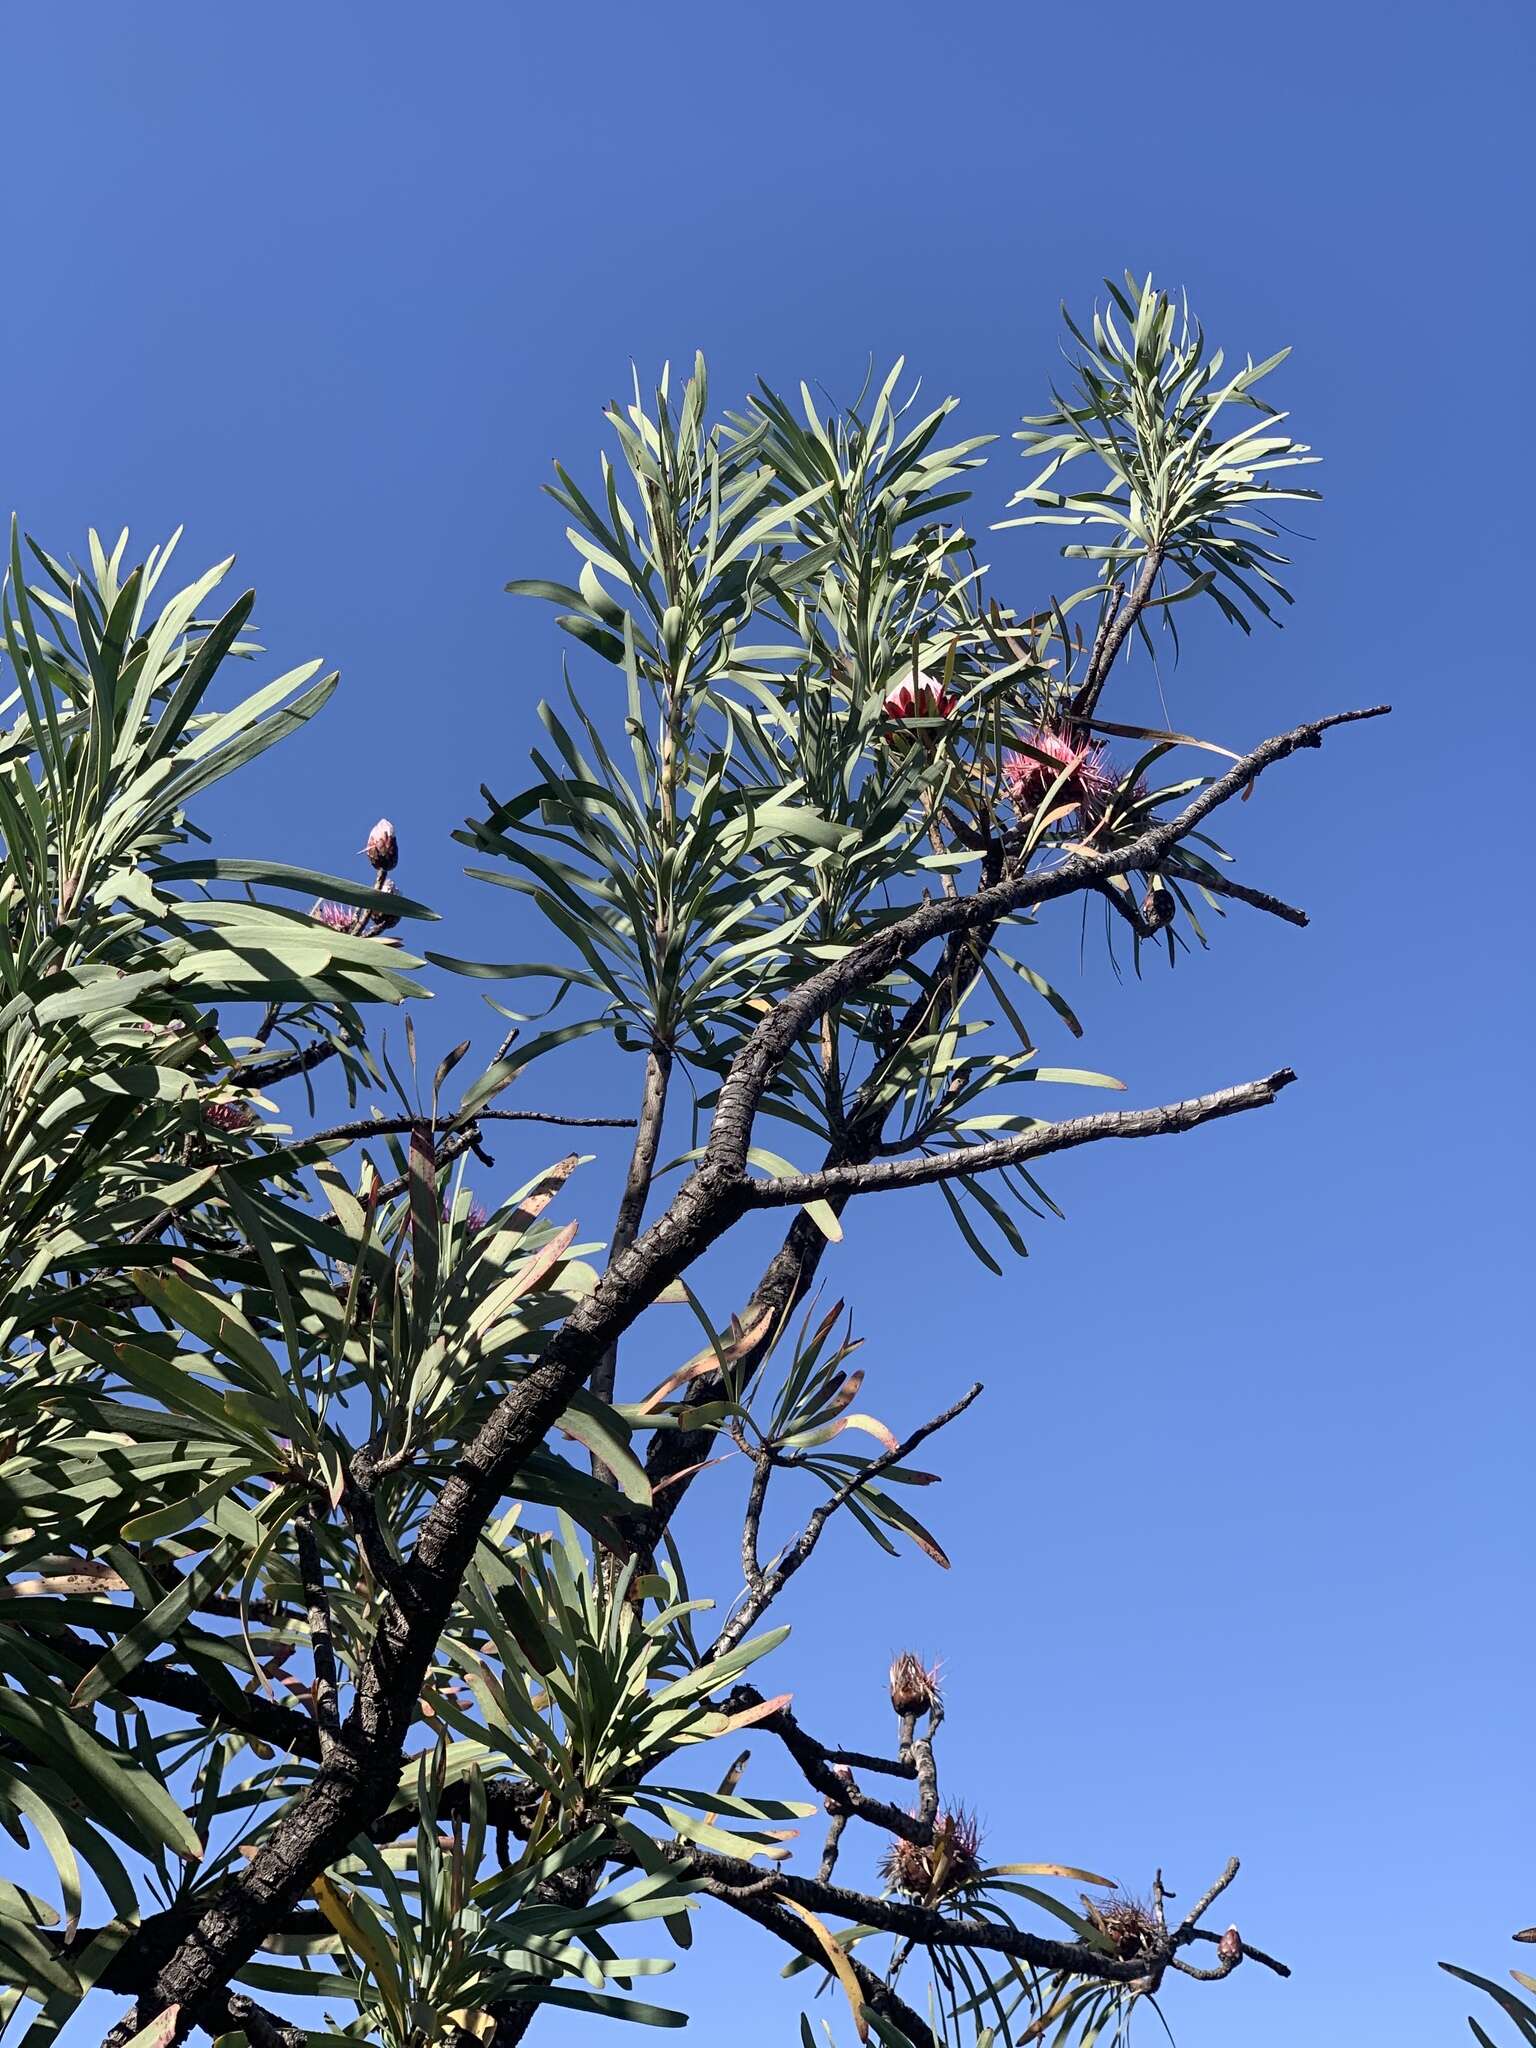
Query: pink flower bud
x=382, y=849
x=1230, y=1946
x=336, y=917
x=920, y=697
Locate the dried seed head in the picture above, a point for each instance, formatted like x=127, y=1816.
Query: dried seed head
x=914, y=1688
x=1125, y=1921
x=1230, y=1946
x=382, y=849
x=904, y=1868
x=948, y=1864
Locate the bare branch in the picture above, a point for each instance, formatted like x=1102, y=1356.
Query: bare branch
x=876, y=957
x=882, y=1175
x=1120, y=617
x=402, y=1126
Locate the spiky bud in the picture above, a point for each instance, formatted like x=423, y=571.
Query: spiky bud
x=1230, y=1947
x=382, y=849
x=914, y=1688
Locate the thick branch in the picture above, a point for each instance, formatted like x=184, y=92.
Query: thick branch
x=871, y=961
x=884, y=1174
x=927, y=1926
x=793, y=1932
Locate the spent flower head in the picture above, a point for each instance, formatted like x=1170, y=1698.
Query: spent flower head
x=950, y=1862
x=914, y=1685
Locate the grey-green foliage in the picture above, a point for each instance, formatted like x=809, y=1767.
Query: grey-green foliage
x=233, y=1364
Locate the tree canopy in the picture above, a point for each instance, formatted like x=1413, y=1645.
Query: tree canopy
x=354, y=1669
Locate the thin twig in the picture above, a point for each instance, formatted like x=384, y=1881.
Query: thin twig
x=790, y=1561
x=322, y=1645
x=402, y=1126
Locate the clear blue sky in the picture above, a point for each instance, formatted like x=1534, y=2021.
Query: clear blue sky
x=1242, y=1535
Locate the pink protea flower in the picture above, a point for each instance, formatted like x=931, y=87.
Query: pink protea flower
x=922, y=696
x=382, y=848
x=336, y=917
x=228, y=1117
x=1087, y=788
x=475, y=1217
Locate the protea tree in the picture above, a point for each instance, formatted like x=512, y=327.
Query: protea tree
x=351, y=1654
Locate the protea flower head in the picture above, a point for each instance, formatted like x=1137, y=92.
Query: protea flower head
x=919, y=696
x=1090, y=781
x=476, y=1217
x=228, y=1117
x=382, y=848
x=914, y=1687
x=1230, y=1946
x=336, y=917
x=946, y=1864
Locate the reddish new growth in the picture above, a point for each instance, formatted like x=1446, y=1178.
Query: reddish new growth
x=1090, y=780
x=914, y=1687
x=228, y=1117
x=950, y=1862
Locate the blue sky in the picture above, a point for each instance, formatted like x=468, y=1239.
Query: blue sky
x=1241, y=1534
